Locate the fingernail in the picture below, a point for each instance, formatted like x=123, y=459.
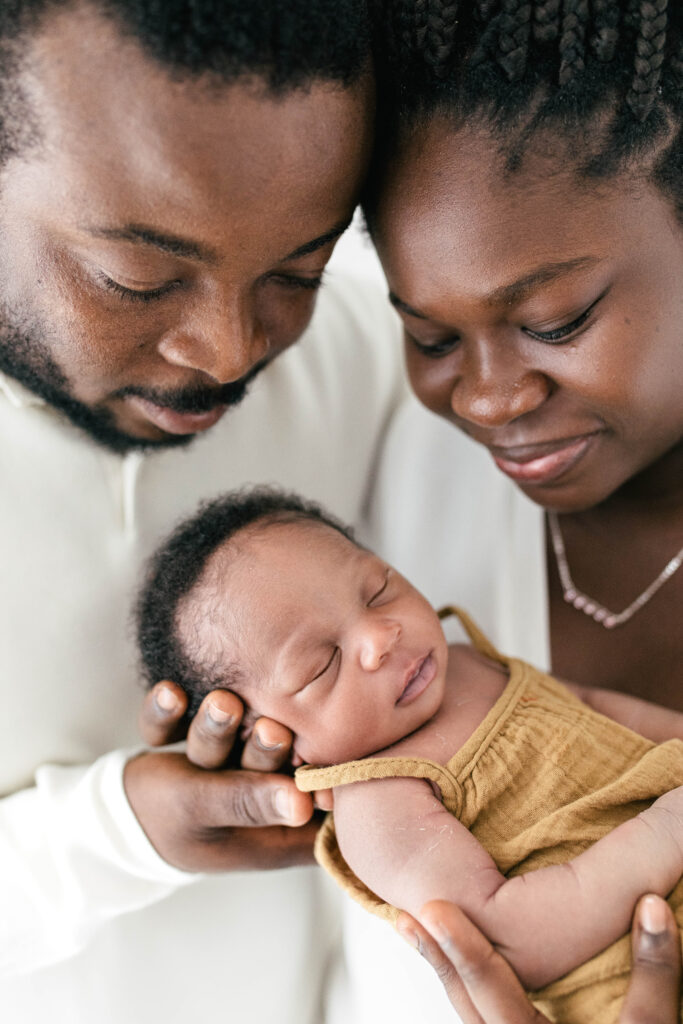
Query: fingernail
x=283, y=803
x=218, y=715
x=265, y=746
x=653, y=916
x=166, y=699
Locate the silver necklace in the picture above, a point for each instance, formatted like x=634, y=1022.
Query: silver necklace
x=587, y=605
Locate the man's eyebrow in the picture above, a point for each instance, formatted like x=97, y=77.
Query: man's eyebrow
x=319, y=242
x=142, y=235
x=513, y=292
x=184, y=247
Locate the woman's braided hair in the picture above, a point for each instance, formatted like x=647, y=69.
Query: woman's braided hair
x=606, y=74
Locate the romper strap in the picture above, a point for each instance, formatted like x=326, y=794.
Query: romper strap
x=479, y=640
x=309, y=777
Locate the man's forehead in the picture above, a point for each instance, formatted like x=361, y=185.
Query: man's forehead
x=126, y=139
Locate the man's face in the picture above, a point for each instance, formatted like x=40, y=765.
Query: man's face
x=164, y=239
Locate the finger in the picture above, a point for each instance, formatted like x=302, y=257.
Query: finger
x=654, y=991
x=250, y=800
x=161, y=714
x=254, y=849
x=267, y=748
x=323, y=799
x=212, y=731
x=420, y=939
x=491, y=984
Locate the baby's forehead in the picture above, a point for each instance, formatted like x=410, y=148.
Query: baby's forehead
x=263, y=591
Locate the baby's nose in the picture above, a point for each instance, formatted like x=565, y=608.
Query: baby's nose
x=380, y=638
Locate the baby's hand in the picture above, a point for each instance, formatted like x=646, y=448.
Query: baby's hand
x=323, y=799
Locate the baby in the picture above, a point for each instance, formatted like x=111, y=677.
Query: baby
x=468, y=769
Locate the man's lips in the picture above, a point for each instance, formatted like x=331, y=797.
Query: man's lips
x=417, y=679
x=544, y=462
x=172, y=422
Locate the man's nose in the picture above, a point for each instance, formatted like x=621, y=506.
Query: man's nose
x=378, y=639
x=222, y=340
x=495, y=387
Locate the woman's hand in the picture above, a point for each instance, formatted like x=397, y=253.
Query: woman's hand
x=484, y=990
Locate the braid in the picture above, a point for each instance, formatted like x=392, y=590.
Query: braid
x=606, y=18
x=677, y=67
x=442, y=21
x=609, y=72
x=513, y=38
x=649, y=57
x=546, y=25
x=573, y=40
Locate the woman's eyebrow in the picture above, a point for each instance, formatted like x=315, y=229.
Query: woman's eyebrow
x=510, y=293
x=404, y=307
x=513, y=292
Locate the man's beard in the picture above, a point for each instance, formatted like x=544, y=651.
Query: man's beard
x=25, y=357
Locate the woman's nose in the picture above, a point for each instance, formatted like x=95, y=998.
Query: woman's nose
x=493, y=388
x=378, y=639
x=223, y=341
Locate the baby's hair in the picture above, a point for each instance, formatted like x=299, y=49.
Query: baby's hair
x=175, y=570
x=607, y=76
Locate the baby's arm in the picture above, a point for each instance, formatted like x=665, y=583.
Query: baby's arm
x=400, y=840
x=650, y=720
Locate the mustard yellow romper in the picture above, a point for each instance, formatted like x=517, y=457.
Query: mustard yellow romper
x=540, y=779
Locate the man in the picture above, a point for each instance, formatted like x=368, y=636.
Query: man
x=174, y=178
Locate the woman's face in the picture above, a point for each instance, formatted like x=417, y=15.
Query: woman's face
x=543, y=313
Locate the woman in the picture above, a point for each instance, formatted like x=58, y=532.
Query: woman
x=527, y=206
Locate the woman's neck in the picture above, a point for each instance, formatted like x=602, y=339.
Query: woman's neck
x=656, y=492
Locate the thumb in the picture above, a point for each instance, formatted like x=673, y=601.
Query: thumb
x=254, y=799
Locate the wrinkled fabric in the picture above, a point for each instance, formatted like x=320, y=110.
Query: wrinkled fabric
x=541, y=779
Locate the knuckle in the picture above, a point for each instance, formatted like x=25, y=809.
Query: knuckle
x=245, y=805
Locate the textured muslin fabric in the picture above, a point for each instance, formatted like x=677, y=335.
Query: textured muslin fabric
x=541, y=779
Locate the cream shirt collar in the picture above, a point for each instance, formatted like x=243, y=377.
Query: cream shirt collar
x=16, y=394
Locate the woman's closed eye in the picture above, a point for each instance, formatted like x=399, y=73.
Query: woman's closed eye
x=436, y=349
x=565, y=332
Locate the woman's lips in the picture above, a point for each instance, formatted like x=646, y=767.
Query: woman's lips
x=543, y=463
x=172, y=422
x=419, y=680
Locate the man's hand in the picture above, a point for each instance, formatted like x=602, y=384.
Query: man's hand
x=200, y=816
x=484, y=990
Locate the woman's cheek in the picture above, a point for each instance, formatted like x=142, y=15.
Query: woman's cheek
x=430, y=380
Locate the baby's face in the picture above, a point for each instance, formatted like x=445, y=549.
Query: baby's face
x=328, y=639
